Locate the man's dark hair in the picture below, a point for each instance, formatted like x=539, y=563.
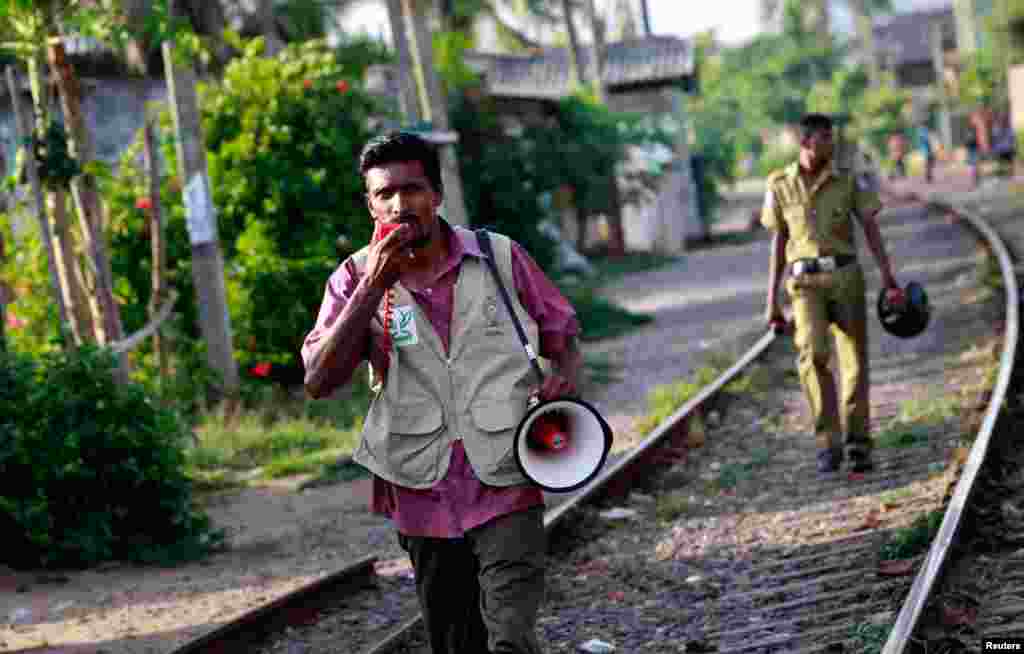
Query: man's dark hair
x=395, y=146
x=812, y=123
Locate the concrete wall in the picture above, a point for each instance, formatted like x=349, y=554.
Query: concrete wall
x=114, y=111
x=1017, y=99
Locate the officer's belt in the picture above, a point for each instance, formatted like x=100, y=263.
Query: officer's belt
x=820, y=264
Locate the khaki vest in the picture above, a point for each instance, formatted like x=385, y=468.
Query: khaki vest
x=478, y=392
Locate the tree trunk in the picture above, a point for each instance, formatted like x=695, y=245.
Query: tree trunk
x=865, y=29
x=159, y=249
x=82, y=306
x=646, y=17
x=434, y=106
x=597, y=27
x=616, y=231
x=268, y=25
x=24, y=129
x=575, y=73
x=87, y=199
x=407, y=103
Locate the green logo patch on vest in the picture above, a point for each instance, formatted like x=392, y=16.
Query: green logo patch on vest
x=403, y=327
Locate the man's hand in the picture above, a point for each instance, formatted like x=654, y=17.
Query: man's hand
x=387, y=257
x=556, y=386
x=775, y=319
x=895, y=295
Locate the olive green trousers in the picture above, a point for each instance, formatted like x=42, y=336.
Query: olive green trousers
x=827, y=306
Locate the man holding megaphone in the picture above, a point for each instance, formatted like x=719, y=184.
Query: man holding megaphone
x=451, y=385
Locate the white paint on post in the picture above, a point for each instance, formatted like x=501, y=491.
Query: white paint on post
x=200, y=213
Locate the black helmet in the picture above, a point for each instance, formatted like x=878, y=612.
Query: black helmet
x=912, y=318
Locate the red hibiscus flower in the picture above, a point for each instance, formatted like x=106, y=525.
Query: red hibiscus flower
x=143, y=203
x=342, y=86
x=261, y=369
x=308, y=83
x=14, y=322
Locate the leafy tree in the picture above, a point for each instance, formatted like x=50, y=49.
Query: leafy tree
x=283, y=136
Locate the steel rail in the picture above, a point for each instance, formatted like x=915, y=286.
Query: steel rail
x=235, y=633
x=932, y=567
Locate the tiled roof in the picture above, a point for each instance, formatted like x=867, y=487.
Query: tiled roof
x=905, y=37
x=546, y=75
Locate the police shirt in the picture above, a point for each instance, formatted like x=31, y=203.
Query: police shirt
x=817, y=217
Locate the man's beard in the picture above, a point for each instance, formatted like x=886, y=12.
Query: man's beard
x=422, y=238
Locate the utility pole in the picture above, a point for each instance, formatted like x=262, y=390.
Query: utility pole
x=645, y=14
x=433, y=106
x=207, y=259
x=25, y=132
x=407, y=103
x=939, y=64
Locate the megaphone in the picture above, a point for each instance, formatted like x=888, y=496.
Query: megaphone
x=562, y=444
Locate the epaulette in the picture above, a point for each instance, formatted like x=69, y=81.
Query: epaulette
x=775, y=175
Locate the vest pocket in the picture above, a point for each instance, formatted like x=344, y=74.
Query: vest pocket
x=495, y=421
x=416, y=419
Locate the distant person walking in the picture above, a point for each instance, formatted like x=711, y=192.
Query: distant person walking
x=924, y=144
x=898, y=155
x=809, y=204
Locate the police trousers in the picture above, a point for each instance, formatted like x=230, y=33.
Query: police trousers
x=827, y=306
x=480, y=594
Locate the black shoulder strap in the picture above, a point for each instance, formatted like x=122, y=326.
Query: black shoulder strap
x=484, y=238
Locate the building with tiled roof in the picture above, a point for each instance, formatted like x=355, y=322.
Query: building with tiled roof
x=648, y=62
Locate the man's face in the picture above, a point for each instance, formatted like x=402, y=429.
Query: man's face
x=401, y=192
x=818, y=145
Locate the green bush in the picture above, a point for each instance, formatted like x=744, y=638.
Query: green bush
x=91, y=471
x=283, y=136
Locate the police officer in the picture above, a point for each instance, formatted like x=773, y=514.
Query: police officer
x=808, y=205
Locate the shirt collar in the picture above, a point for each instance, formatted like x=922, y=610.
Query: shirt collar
x=831, y=170
x=461, y=243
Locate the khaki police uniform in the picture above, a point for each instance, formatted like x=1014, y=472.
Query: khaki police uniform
x=818, y=220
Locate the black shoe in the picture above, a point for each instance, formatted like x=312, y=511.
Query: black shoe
x=861, y=462
x=829, y=460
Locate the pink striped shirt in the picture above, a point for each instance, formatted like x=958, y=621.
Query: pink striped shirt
x=458, y=502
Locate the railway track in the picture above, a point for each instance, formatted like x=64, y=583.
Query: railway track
x=779, y=560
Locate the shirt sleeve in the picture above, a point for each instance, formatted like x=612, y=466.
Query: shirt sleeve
x=771, y=216
x=554, y=315
x=340, y=287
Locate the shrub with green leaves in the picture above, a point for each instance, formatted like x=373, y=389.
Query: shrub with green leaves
x=283, y=136
x=89, y=470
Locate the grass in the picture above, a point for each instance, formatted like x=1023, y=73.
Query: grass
x=598, y=369
x=612, y=268
x=732, y=474
x=281, y=448
x=911, y=426
x=277, y=436
x=895, y=496
x=910, y=541
x=928, y=410
x=870, y=637
x=671, y=506
x=600, y=318
x=902, y=435
x=666, y=399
